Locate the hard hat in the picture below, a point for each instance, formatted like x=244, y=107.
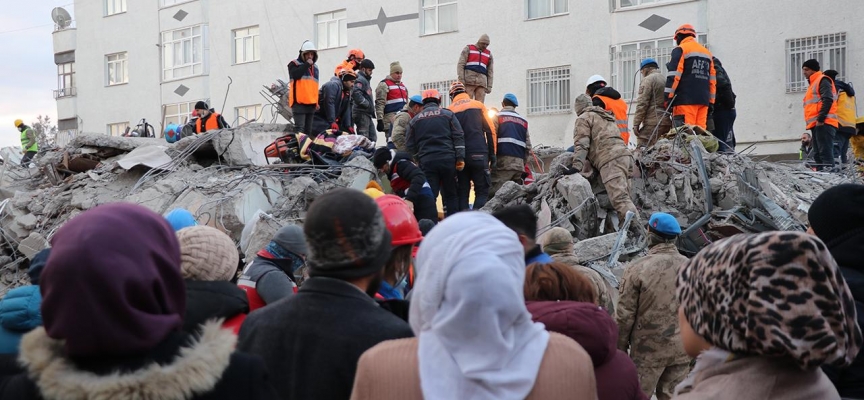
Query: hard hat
x=416, y=99
x=400, y=220
x=685, y=29
x=373, y=193
x=594, y=79
x=347, y=75
x=431, y=94
x=18, y=123
x=357, y=53
x=456, y=88
x=664, y=223
x=648, y=61
x=511, y=98
x=307, y=46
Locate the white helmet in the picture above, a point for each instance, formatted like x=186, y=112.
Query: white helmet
x=594, y=79
x=307, y=46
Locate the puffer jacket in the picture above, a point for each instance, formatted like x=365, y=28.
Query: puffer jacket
x=19, y=314
x=596, y=332
x=597, y=139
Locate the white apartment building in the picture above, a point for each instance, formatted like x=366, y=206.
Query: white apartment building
x=124, y=60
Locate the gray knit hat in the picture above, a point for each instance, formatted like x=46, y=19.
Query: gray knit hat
x=347, y=236
x=291, y=238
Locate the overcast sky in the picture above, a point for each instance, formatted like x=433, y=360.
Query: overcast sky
x=27, y=73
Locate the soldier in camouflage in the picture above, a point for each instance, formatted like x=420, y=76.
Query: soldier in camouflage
x=647, y=312
x=558, y=243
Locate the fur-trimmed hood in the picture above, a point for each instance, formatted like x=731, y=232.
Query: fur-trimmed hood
x=196, y=370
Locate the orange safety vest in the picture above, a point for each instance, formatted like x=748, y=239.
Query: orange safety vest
x=813, y=102
x=305, y=90
x=619, y=109
x=211, y=124
x=478, y=61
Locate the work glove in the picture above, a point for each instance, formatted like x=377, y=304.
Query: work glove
x=391, y=146
x=334, y=126
x=380, y=126
x=460, y=164
x=493, y=161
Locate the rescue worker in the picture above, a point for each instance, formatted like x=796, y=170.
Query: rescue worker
x=363, y=110
x=390, y=97
x=522, y=220
x=805, y=153
x=598, y=146
x=647, y=312
x=29, y=145
x=404, y=236
x=691, y=84
x=352, y=62
x=270, y=277
x=436, y=140
x=407, y=181
x=208, y=119
x=400, y=123
x=651, y=120
x=514, y=143
x=558, y=244
x=820, y=114
x=334, y=104
x=479, y=147
x=609, y=99
x=724, y=110
x=303, y=95
x=475, y=69
x=846, y=116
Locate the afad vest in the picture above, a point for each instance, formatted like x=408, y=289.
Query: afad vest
x=619, y=109
x=512, y=135
x=846, y=113
x=211, y=124
x=305, y=90
x=397, y=96
x=478, y=61
x=813, y=103
x=33, y=146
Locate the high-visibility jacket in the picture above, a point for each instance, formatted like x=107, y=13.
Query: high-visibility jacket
x=512, y=135
x=25, y=141
x=619, y=109
x=479, y=133
x=478, y=61
x=397, y=96
x=846, y=112
x=813, y=102
x=691, y=76
x=305, y=90
x=211, y=123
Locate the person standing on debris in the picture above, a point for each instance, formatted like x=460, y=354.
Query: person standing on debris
x=846, y=116
x=435, y=138
x=514, y=143
x=29, y=145
x=479, y=147
x=19, y=308
x=400, y=123
x=598, y=146
x=763, y=312
x=522, y=220
x=843, y=234
x=724, y=110
x=208, y=119
x=820, y=114
x=474, y=69
x=407, y=181
x=352, y=62
x=558, y=243
x=404, y=235
x=609, y=99
x=303, y=95
x=363, y=106
x=651, y=121
x=270, y=277
x=647, y=312
x=311, y=344
x=691, y=85
x=390, y=97
x=334, y=108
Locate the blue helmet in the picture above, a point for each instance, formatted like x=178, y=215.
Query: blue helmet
x=511, y=98
x=416, y=99
x=648, y=61
x=665, y=224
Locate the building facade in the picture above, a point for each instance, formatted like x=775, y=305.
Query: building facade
x=123, y=61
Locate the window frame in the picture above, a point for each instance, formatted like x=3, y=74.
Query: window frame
x=202, y=62
x=64, y=90
x=112, y=4
x=563, y=107
x=180, y=115
x=436, y=8
x=242, y=42
x=176, y=2
x=553, y=14
x=259, y=109
x=443, y=88
x=341, y=26
x=124, y=64
x=122, y=126
x=615, y=5
x=839, y=43
x=620, y=79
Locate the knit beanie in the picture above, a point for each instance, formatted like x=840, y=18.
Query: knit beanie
x=291, y=238
x=557, y=241
x=812, y=64
x=347, y=236
x=484, y=39
x=201, y=106
x=382, y=156
x=207, y=254
x=395, y=68
x=836, y=214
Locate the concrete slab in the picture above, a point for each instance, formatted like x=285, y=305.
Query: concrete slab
x=32, y=245
x=149, y=156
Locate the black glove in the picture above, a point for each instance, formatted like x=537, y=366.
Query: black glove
x=572, y=171
x=493, y=161
x=380, y=125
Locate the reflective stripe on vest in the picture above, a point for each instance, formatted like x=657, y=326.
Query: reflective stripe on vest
x=478, y=61
x=813, y=103
x=512, y=134
x=305, y=90
x=619, y=109
x=211, y=124
x=846, y=112
x=33, y=146
x=397, y=96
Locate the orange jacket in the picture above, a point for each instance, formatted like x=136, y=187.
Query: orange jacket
x=619, y=109
x=480, y=135
x=691, y=75
x=813, y=102
x=211, y=123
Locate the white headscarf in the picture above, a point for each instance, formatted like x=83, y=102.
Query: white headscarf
x=477, y=340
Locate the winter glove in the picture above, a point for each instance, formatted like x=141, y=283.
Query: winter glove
x=460, y=164
x=334, y=126
x=380, y=126
x=493, y=161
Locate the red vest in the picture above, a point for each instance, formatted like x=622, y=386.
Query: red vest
x=397, y=96
x=478, y=61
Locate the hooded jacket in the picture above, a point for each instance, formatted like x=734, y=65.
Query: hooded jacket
x=596, y=332
x=207, y=300
x=335, y=105
x=597, y=139
x=19, y=314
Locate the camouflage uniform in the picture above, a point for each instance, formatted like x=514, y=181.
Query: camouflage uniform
x=558, y=243
x=508, y=168
x=597, y=140
x=400, y=126
x=650, y=110
x=477, y=85
x=647, y=317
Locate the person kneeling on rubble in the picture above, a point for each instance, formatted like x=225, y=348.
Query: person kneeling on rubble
x=208, y=119
x=598, y=144
x=408, y=181
x=270, y=277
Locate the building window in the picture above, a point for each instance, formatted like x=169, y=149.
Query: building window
x=118, y=69
x=549, y=90
x=114, y=7
x=618, y=4
x=117, y=129
x=443, y=88
x=829, y=50
x=438, y=16
x=65, y=80
x=331, y=29
x=246, y=45
x=625, y=60
x=546, y=8
x=183, y=52
x=247, y=114
x=168, y=3
x=178, y=114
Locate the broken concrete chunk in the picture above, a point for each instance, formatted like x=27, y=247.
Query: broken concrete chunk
x=27, y=221
x=149, y=156
x=357, y=173
x=32, y=245
x=244, y=145
x=575, y=189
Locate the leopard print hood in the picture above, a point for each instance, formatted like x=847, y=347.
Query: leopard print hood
x=771, y=294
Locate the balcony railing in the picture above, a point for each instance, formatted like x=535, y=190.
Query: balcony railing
x=70, y=25
x=66, y=92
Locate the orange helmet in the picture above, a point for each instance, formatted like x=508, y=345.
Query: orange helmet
x=456, y=88
x=431, y=94
x=400, y=220
x=685, y=29
x=356, y=53
x=348, y=72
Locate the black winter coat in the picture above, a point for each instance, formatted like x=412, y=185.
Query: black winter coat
x=207, y=300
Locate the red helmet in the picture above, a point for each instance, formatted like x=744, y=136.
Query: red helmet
x=431, y=94
x=400, y=220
